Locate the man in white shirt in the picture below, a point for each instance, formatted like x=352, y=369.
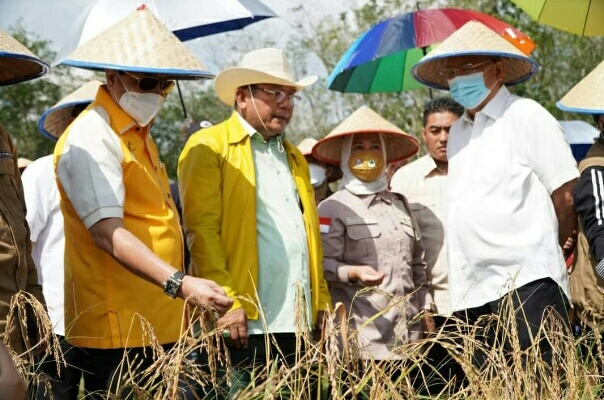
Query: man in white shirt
x=511, y=178
x=423, y=182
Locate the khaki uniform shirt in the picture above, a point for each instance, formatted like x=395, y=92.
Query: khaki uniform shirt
x=17, y=270
x=379, y=231
x=425, y=185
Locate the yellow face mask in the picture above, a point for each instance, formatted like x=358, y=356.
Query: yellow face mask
x=366, y=165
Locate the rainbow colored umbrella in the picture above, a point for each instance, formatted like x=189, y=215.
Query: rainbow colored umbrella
x=380, y=60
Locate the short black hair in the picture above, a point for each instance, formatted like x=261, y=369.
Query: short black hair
x=442, y=104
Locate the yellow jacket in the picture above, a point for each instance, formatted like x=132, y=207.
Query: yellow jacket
x=218, y=193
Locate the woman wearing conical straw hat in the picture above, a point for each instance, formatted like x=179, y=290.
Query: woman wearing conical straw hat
x=370, y=237
x=587, y=274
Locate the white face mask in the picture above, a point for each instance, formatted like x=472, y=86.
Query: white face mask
x=317, y=175
x=142, y=107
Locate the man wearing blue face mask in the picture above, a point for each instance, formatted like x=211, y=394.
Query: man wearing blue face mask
x=511, y=178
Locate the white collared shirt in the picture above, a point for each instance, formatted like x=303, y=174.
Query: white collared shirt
x=502, y=228
x=46, y=231
x=425, y=185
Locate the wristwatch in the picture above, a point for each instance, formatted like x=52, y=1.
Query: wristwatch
x=172, y=284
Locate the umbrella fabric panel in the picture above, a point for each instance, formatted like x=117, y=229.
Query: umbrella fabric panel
x=581, y=17
x=386, y=74
x=399, y=34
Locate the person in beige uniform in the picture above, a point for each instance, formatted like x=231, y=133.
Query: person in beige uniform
x=370, y=237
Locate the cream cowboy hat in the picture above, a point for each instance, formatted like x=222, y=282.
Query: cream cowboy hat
x=267, y=65
x=474, y=39
x=139, y=43
x=17, y=63
x=399, y=145
x=55, y=120
x=587, y=96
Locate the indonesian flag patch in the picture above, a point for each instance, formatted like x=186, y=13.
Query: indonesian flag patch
x=324, y=223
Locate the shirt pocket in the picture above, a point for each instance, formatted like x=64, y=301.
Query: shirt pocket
x=407, y=225
x=360, y=228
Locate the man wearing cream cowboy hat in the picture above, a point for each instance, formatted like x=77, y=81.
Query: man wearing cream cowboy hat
x=17, y=270
x=511, y=176
x=249, y=213
x=587, y=274
x=123, y=241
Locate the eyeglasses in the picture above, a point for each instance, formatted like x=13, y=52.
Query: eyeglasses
x=148, y=83
x=280, y=96
x=466, y=69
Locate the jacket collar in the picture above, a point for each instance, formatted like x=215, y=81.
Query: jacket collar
x=118, y=118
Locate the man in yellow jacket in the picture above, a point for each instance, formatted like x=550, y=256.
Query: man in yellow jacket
x=249, y=213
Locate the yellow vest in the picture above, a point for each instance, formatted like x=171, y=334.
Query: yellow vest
x=218, y=194
x=586, y=287
x=103, y=300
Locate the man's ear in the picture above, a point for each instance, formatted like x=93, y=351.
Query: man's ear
x=499, y=71
x=110, y=76
x=240, y=98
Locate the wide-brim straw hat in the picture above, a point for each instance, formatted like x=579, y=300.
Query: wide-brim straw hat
x=139, y=43
x=55, y=120
x=17, y=63
x=474, y=39
x=587, y=96
x=268, y=65
x=399, y=145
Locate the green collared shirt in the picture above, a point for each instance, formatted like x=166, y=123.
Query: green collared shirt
x=282, y=242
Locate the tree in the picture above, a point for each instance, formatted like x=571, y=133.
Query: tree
x=564, y=59
x=21, y=105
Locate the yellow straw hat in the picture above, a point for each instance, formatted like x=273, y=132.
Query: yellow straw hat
x=474, y=39
x=139, y=43
x=17, y=63
x=399, y=145
x=55, y=120
x=587, y=96
x=267, y=65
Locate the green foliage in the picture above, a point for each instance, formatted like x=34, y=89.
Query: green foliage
x=564, y=60
x=22, y=104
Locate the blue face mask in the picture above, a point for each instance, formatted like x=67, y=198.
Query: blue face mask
x=469, y=90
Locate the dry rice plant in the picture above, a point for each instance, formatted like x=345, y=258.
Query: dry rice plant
x=333, y=362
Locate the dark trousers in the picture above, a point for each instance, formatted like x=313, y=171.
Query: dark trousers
x=103, y=370
x=439, y=371
x=65, y=378
x=529, y=304
x=282, y=348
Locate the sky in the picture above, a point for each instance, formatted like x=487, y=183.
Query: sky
x=50, y=19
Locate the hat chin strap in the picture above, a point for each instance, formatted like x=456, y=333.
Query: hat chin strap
x=279, y=140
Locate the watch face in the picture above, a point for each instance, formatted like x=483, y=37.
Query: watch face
x=171, y=287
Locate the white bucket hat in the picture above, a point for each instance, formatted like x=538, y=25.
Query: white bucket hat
x=474, y=39
x=17, y=63
x=587, y=96
x=55, y=120
x=267, y=65
x=139, y=43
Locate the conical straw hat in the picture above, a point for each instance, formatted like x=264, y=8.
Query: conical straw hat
x=17, y=63
x=399, y=145
x=139, y=43
x=587, y=96
x=474, y=39
x=56, y=119
x=306, y=146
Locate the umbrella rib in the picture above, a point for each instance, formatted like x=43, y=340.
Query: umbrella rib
x=586, y=14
